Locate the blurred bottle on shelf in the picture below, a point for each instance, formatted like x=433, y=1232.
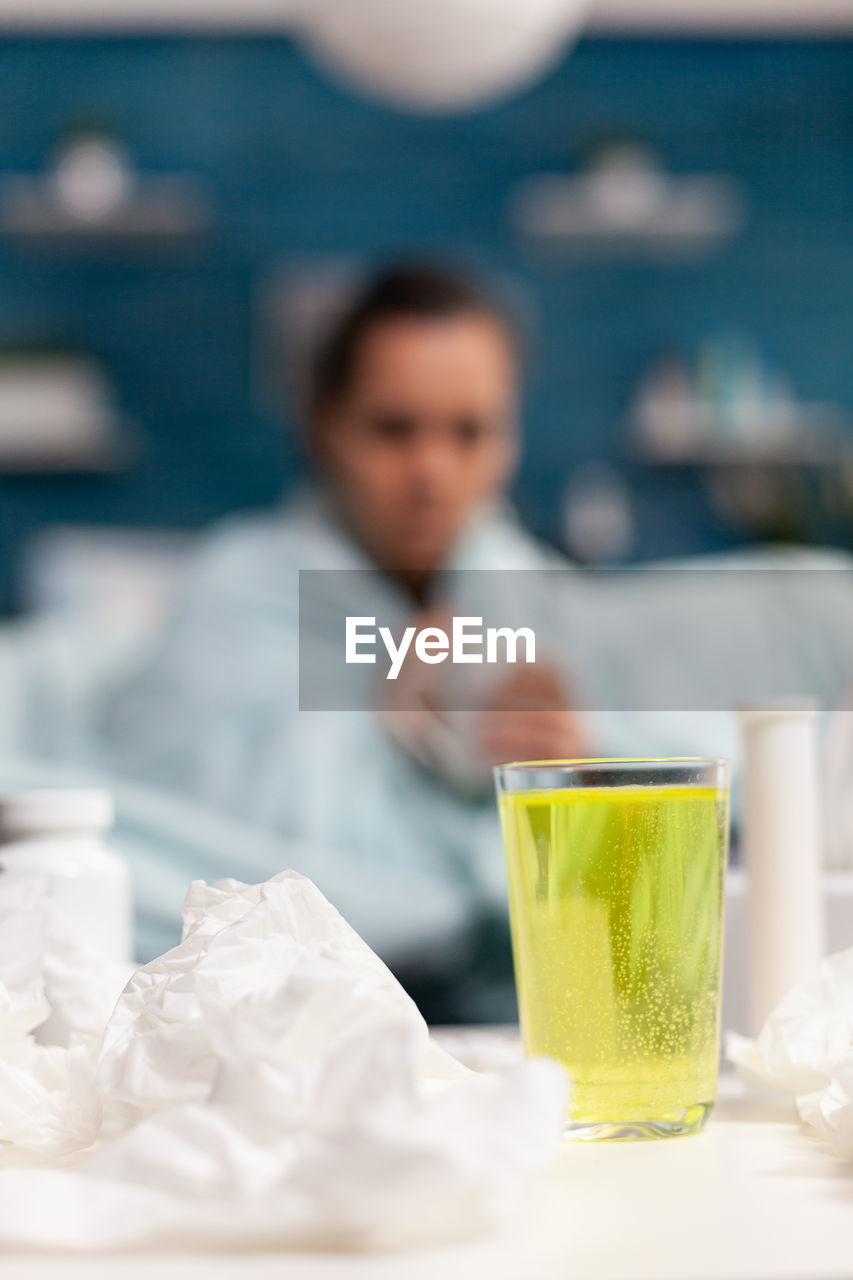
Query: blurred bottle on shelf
x=598, y=521
x=728, y=403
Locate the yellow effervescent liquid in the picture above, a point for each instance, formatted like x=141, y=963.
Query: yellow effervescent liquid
x=616, y=901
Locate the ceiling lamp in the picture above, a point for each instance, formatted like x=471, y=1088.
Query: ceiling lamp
x=440, y=55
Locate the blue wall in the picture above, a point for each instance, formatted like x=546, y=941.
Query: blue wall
x=296, y=166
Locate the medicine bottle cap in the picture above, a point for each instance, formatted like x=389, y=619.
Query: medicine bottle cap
x=25, y=814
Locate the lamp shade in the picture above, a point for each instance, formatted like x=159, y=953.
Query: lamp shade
x=440, y=55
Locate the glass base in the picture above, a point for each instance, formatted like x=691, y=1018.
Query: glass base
x=690, y=1120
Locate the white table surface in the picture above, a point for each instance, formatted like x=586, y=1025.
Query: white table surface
x=752, y=1196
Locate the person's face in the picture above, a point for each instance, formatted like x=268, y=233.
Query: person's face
x=424, y=433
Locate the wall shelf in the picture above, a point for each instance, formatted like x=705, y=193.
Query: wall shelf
x=159, y=210
x=625, y=203
x=118, y=445
x=817, y=437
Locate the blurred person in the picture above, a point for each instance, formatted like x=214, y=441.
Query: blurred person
x=412, y=426
x=412, y=429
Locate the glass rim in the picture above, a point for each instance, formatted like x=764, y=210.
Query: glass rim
x=612, y=771
x=579, y=761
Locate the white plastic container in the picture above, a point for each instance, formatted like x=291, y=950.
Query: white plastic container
x=782, y=846
x=58, y=835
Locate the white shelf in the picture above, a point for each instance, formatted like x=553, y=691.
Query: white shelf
x=640, y=211
x=115, y=451
x=161, y=209
x=736, y=455
x=816, y=437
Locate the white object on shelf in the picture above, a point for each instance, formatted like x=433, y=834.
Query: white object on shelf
x=727, y=407
x=57, y=835
x=626, y=201
x=56, y=411
x=598, y=523
x=782, y=845
x=93, y=178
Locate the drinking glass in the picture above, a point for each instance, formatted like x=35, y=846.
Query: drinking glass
x=616, y=874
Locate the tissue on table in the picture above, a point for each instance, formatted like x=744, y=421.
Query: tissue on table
x=56, y=994
x=806, y=1048
x=269, y=1081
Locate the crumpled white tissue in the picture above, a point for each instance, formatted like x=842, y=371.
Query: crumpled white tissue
x=806, y=1048
x=269, y=1082
x=56, y=994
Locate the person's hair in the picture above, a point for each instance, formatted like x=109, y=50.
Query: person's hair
x=413, y=290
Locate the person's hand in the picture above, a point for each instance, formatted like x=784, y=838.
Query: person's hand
x=410, y=707
x=530, y=717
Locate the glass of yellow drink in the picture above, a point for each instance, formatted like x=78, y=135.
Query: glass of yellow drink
x=616, y=872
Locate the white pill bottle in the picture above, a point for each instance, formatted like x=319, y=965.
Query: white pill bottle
x=59, y=837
